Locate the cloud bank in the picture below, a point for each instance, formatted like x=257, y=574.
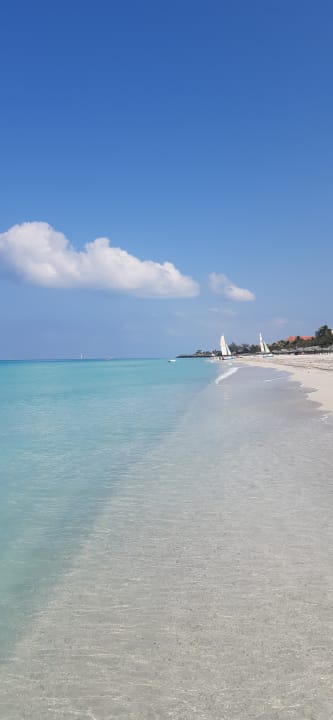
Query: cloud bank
x=38, y=254
x=221, y=285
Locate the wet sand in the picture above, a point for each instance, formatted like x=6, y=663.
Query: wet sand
x=314, y=372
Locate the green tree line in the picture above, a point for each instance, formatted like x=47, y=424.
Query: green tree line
x=323, y=337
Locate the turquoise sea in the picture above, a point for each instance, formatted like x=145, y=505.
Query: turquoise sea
x=69, y=433
x=166, y=542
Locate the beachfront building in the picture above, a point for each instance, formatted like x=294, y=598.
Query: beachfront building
x=293, y=338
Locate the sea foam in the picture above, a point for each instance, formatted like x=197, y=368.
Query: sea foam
x=225, y=375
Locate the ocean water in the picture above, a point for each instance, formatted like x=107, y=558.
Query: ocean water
x=69, y=431
x=166, y=543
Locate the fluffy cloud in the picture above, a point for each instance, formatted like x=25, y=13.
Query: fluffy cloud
x=40, y=255
x=221, y=285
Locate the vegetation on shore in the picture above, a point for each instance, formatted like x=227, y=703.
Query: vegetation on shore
x=323, y=338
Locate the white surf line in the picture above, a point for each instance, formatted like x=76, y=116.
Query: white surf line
x=225, y=375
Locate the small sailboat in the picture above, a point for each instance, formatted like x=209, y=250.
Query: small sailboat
x=225, y=350
x=172, y=360
x=264, y=349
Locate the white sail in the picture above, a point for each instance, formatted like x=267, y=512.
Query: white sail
x=264, y=349
x=225, y=350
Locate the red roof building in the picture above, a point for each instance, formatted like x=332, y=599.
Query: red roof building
x=292, y=338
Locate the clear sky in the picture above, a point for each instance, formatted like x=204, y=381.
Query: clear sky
x=197, y=134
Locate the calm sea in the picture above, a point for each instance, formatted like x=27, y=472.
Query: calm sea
x=166, y=543
x=69, y=432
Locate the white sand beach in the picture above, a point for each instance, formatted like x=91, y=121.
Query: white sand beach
x=315, y=372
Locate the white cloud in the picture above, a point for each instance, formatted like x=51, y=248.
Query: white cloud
x=40, y=255
x=221, y=285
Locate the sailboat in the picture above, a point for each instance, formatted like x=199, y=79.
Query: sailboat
x=264, y=349
x=225, y=350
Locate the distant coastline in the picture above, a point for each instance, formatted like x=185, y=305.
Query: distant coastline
x=201, y=354
x=320, y=342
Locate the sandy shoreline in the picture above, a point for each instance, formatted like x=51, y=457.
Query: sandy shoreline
x=315, y=372
x=202, y=589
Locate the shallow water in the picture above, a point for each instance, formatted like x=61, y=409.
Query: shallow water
x=68, y=432
x=202, y=584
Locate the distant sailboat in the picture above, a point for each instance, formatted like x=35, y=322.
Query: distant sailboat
x=264, y=349
x=225, y=350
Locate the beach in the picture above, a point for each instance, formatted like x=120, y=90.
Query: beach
x=166, y=497
x=191, y=574
x=313, y=372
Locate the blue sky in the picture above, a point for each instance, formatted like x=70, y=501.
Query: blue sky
x=197, y=134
